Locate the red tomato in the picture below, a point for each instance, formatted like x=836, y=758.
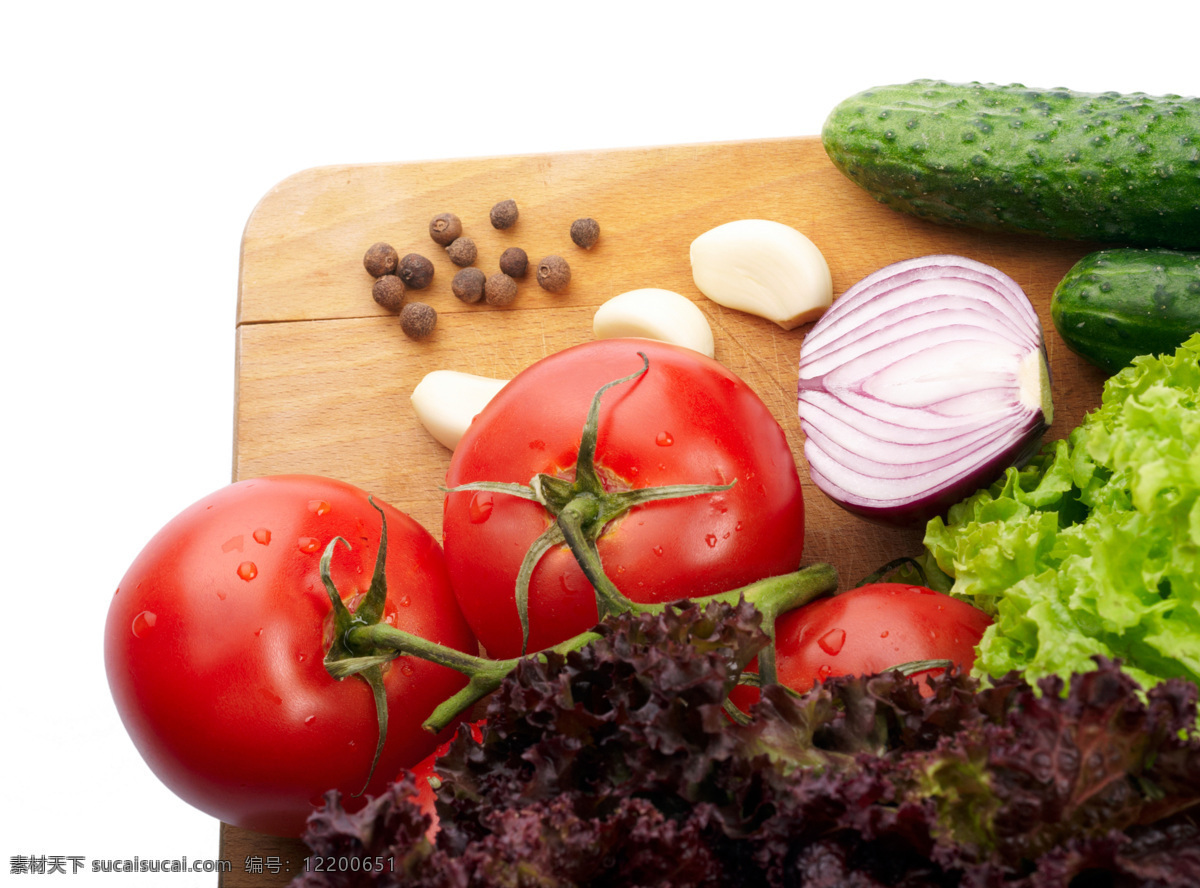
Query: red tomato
x=215, y=640
x=687, y=420
x=873, y=629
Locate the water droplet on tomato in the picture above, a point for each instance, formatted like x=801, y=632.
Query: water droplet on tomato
x=220, y=596
x=318, y=507
x=262, y=536
x=664, y=439
x=247, y=570
x=921, y=590
x=711, y=539
x=404, y=601
x=537, y=445
x=737, y=526
x=824, y=671
x=234, y=543
x=143, y=623
x=258, y=632
x=308, y=545
x=831, y=642
x=406, y=669
x=301, y=657
x=884, y=634
x=310, y=720
x=480, y=508
x=658, y=550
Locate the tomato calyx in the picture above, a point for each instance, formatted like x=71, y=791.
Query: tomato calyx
x=368, y=612
x=582, y=508
x=362, y=644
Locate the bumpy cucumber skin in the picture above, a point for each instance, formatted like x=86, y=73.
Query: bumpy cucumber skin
x=1114, y=305
x=1106, y=167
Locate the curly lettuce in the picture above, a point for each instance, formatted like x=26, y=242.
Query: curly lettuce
x=1094, y=546
x=616, y=766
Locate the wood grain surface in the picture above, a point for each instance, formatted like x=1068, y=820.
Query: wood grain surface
x=324, y=374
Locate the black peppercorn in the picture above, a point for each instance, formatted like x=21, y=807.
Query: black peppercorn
x=585, y=232
x=468, y=285
x=416, y=271
x=514, y=262
x=500, y=289
x=388, y=291
x=462, y=252
x=444, y=228
x=504, y=214
x=417, y=320
x=380, y=259
x=553, y=274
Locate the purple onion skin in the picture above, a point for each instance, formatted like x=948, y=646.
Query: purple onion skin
x=917, y=512
x=841, y=329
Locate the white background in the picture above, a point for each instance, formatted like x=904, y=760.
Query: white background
x=136, y=139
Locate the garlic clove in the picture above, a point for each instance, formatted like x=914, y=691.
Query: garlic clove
x=652, y=313
x=765, y=268
x=446, y=401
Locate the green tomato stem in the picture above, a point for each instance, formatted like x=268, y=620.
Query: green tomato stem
x=575, y=521
x=382, y=637
x=483, y=675
x=481, y=684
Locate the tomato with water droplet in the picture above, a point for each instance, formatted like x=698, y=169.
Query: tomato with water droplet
x=869, y=630
x=200, y=637
x=687, y=420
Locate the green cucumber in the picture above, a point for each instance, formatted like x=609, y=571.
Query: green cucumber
x=1114, y=305
x=1106, y=167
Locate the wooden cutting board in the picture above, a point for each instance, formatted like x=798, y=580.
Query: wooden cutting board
x=324, y=374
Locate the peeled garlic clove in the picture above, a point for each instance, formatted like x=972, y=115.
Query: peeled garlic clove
x=652, y=313
x=765, y=268
x=446, y=401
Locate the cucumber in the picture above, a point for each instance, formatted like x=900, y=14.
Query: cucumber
x=1114, y=305
x=1107, y=167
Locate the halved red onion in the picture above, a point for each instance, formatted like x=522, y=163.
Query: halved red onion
x=922, y=383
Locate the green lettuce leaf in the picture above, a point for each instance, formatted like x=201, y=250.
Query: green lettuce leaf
x=1094, y=546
